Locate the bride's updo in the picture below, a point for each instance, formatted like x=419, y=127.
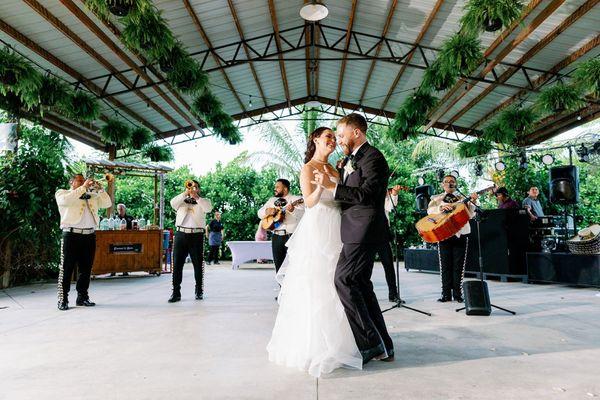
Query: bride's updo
x=311, y=147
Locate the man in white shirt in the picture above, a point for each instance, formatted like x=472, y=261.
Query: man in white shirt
x=452, y=252
x=386, y=256
x=189, y=238
x=78, y=220
x=292, y=214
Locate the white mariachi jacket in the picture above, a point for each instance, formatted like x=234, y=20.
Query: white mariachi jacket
x=436, y=204
x=291, y=218
x=71, y=207
x=198, y=211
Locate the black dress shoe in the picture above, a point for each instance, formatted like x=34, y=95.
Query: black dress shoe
x=390, y=356
x=199, y=296
x=444, y=299
x=175, y=297
x=395, y=299
x=372, y=353
x=85, y=303
x=459, y=300
x=63, y=305
x=217, y=263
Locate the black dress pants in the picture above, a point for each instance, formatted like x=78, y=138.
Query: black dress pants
x=354, y=286
x=77, y=250
x=213, y=254
x=279, y=249
x=453, y=256
x=387, y=260
x=184, y=244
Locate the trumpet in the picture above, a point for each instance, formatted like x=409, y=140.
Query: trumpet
x=189, y=185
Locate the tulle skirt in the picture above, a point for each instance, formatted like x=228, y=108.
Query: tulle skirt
x=311, y=331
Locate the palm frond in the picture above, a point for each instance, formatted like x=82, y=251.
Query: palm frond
x=432, y=147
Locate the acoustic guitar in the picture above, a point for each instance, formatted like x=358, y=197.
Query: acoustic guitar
x=268, y=222
x=438, y=227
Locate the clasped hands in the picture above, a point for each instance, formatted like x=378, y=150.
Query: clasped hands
x=323, y=180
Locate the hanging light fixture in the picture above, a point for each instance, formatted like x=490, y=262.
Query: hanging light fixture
x=548, y=159
x=500, y=166
x=313, y=11
x=583, y=153
x=478, y=169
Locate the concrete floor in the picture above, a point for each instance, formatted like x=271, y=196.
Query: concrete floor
x=134, y=345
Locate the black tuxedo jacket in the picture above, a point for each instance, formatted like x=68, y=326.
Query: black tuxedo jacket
x=362, y=196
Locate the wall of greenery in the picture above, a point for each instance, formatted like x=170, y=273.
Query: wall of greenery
x=29, y=218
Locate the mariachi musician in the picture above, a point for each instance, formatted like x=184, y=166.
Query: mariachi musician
x=78, y=208
x=452, y=252
x=282, y=231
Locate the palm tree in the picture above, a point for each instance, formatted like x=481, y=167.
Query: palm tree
x=285, y=149
x=435, y=149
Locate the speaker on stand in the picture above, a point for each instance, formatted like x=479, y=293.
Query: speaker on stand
x=564, y=191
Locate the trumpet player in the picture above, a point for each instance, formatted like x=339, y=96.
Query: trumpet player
x=78, y=209
x=189, y=236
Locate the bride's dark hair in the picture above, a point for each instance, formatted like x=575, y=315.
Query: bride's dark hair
x=311, y=147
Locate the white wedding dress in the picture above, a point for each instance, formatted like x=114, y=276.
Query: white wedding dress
x=312, y=332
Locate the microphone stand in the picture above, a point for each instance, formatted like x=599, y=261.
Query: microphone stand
x=399, y=301
x=478, y=219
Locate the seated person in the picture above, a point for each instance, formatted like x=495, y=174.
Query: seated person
x=505, y=202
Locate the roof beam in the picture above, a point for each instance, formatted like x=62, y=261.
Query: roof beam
x=346, y=47
x=308, y=32
x=238, y=26
x=442, y=107
x=54, y=21
x=89, y=23
x=217, y=60
x=561, y=123
x=506, y=75
x=279, y=55
x=542, y=79
x=411, y=53
x=386, y=27
x=30, y=44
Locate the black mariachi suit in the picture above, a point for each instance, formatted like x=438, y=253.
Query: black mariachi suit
x=364, y=230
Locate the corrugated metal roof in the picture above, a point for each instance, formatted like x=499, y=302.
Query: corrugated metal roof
x=255, y=20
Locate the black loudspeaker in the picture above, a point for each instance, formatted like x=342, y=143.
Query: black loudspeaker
x=425, y=190
x=477, y=298
x=564, y=185
x=423, y=196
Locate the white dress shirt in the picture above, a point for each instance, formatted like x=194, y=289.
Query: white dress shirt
x=190, y=215
x=291, y=218
x=78, y=213
x=391, y=201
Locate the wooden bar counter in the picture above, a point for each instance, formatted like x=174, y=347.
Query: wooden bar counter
x=128, y=251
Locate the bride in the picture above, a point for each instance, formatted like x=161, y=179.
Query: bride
x=311, y=331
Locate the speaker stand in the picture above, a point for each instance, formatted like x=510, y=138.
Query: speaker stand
x=478, y=219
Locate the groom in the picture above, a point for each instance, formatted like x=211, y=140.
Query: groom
x=364, y=175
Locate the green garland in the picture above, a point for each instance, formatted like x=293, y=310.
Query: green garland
x=490, y=15
x=147, y=33
x=587, y=77
x=115, y=132
x=478, y=147
x=158, y=153
x=560, y=98
x=140, y=137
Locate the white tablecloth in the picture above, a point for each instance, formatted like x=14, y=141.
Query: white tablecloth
x=243, y=251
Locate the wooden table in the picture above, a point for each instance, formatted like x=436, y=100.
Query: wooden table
x=244, y=251
x=128, y=251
